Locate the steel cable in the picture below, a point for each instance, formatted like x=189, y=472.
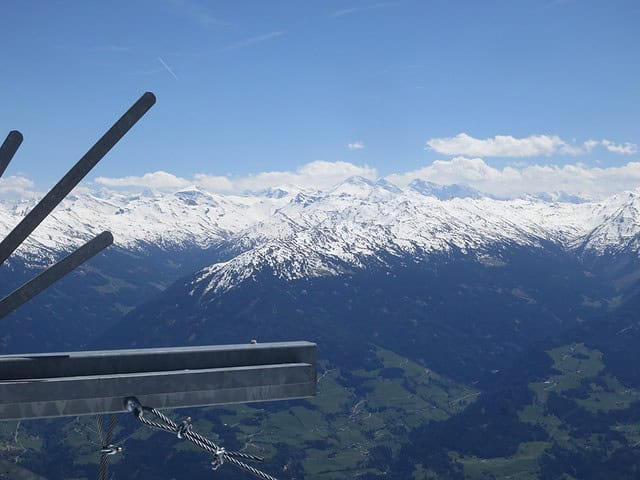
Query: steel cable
x=186, y=432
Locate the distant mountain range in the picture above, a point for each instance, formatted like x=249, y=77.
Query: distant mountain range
x=360, y=216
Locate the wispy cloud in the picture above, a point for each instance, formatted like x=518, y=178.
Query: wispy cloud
x=355, y=146
x=531, y=146
x=373, y=6
x=507, y=181
x=167, y=68
x=197, y=13
x=626, y=148
x=498, y=146
x=513, y=181
x=16, y=188
x=154, y=180
x=318, y=175
x=344, y=11
x=252, y=41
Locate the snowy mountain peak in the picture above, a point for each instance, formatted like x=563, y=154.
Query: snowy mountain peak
x=360, y=187
x=274, y=192
x=386, y=185
x=443, y=192
x=619, y=226
x=562, y=197
x=304, y=199
x=195, y=196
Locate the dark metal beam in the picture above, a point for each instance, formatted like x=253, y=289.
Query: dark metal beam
x=81, y=383
x=54, y=273
x=9, y=148
x=75, y=175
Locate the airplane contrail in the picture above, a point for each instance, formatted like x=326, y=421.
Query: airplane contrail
x=167, y=68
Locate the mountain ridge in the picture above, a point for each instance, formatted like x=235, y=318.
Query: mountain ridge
x=326, y=232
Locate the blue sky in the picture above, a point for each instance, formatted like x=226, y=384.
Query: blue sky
x=252, y=86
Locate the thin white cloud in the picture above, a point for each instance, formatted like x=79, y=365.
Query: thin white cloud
x=510, y=181
x=318, y=175
x=16, y=188
x=348, y=11
x=572, y=150
x=517, y=180
x=626, y=148
x=213, y=183
x=498, y=146
x=531, y=146
x=355, y=146
x=589, y=145
x=345, y=11
x=196, y=12
x=155, y=180
x=252, y=41
x=167, y=68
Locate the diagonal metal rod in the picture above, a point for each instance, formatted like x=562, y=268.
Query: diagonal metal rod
x=73, y=176
x=9, y=148
x=54, y=273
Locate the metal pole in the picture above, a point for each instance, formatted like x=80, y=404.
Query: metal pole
x=54, y=273
x=75, y=175
x=9, y=148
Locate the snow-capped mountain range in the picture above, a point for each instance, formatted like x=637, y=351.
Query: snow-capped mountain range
x=297, y=233
x=187, y=218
